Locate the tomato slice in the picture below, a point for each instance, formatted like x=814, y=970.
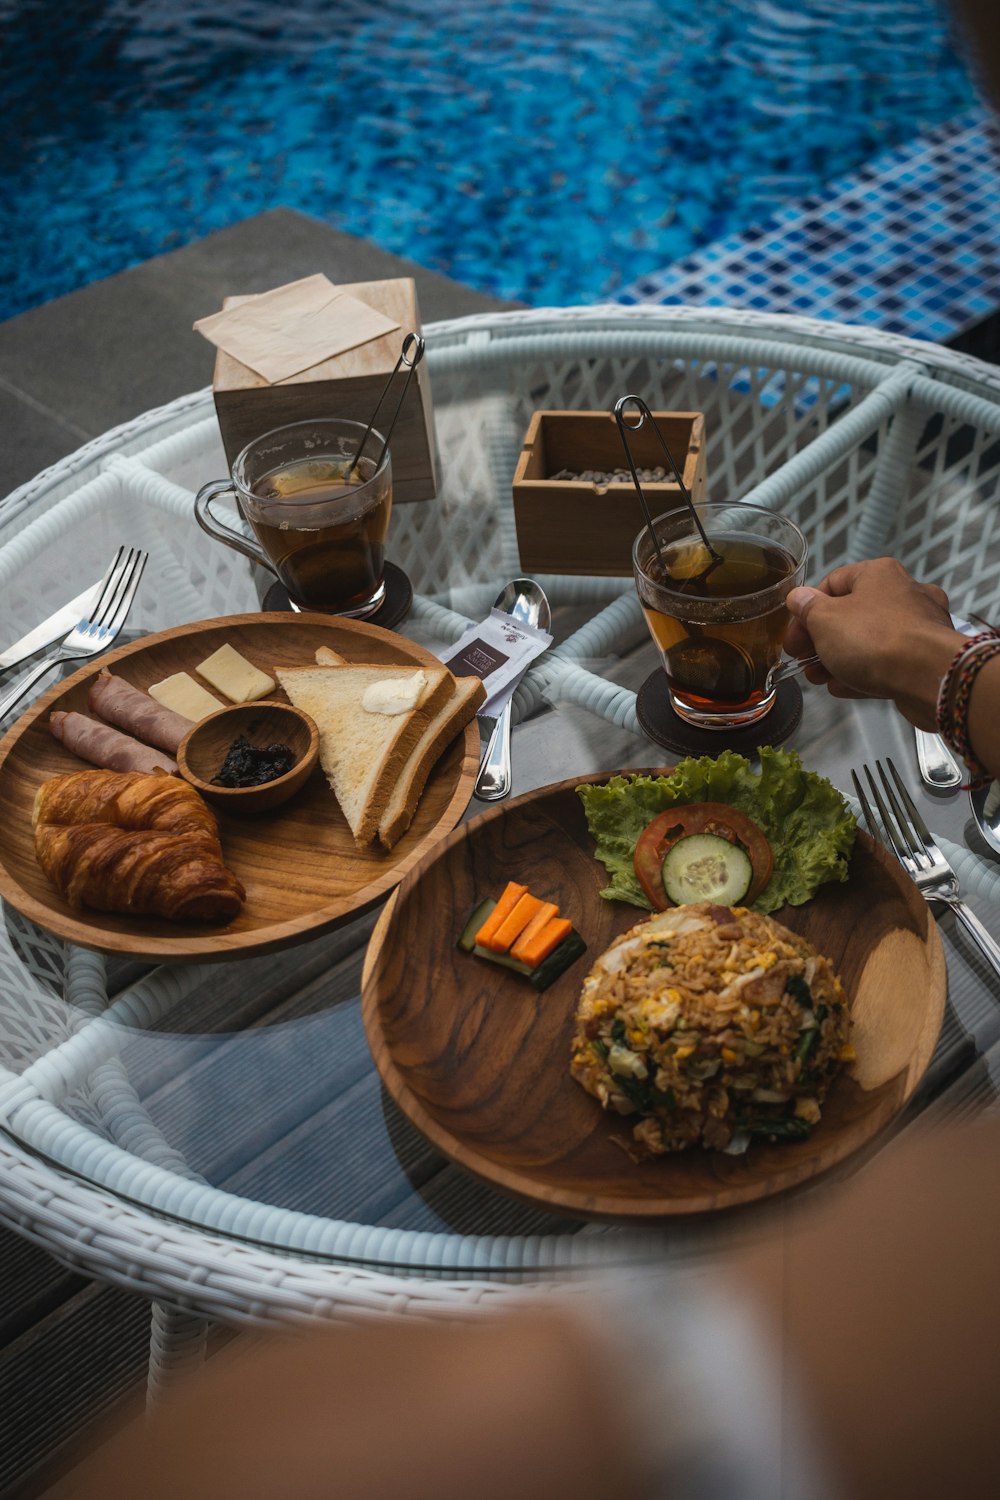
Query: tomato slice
x=718, y=818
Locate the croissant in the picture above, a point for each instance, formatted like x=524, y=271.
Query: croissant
x=135, y=843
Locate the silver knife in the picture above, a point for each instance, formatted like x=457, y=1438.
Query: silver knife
x=53, y=629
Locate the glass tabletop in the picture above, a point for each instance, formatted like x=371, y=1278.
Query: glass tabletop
x=250, y=1093
x=241, y=1097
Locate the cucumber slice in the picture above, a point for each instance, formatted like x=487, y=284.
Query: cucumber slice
x=467, y=941
x=545, y=973
x=703, y=867
x=503, y=959
x=558, y=961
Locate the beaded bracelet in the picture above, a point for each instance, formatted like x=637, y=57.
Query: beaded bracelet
x=947, y=681
x=952, y=712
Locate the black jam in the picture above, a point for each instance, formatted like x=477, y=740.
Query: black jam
x=252, y=765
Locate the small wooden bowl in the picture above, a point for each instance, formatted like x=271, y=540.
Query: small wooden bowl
x=203, y=749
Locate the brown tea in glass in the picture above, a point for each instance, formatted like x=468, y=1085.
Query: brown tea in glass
x=338, y=566
x=319, y=503
x=719, y=626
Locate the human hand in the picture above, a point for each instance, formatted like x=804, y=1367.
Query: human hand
x=879, y=634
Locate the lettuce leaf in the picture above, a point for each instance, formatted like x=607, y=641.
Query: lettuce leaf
x=805, y=819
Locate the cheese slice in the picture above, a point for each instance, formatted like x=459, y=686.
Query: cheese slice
x=185, y=696
x=234, y=676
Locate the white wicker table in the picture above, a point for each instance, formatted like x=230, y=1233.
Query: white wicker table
x=215, y=1137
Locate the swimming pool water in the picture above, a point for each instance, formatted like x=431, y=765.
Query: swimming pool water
x=548, y=152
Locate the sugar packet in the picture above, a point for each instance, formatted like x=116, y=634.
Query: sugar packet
x=499, y=650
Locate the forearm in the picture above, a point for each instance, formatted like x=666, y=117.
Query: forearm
x=912, y=675
x=915, y=681
x=984, y=716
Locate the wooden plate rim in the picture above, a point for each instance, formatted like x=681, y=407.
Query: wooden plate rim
x=607, y=1206
x=220, y=946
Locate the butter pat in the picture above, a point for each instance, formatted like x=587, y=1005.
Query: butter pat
x=233, y=675
x=185, y=696
x=395, y=695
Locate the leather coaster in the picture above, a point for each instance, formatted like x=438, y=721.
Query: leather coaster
x=658, y=719
x=391, y=612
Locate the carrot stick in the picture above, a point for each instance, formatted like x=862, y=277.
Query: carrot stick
x=510, y=896
x=512, y=926
x=545, y=913
x=541, y=944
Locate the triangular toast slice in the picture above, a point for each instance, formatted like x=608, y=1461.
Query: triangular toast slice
x=440, y=730
x=362, y=753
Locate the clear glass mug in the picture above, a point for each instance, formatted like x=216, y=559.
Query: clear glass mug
x=322, y=534
x=720, y=631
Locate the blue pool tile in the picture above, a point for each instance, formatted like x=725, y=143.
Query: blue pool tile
x=914, y=249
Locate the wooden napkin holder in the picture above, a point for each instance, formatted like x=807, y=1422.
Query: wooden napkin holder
x=577, y=525
x=348, y=385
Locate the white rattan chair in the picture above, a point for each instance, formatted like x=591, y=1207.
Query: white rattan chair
x=874, y=443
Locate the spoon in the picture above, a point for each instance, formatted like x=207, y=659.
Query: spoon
x=985, y=802
x=938, y=767
x=525, y=600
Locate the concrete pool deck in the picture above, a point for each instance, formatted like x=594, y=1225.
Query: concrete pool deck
x=76, y=366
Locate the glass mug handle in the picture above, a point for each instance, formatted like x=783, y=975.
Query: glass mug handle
x=223, y=532
x=790, y=666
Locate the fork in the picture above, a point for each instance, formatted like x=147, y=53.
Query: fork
x=95, y=631
x=909, y=838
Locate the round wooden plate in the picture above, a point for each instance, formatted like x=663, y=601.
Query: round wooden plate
x=479, y=1062
x=302, y=872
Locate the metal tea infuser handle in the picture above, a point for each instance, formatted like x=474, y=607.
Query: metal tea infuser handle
x=412, y=341
x=624, y=428
x=790, y=667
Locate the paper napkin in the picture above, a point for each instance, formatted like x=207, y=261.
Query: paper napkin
x=288, y=330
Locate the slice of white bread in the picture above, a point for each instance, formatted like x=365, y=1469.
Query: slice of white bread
x=362, y=753
x=442, y=727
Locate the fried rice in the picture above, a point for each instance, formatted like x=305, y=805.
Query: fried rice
x=709, y=1023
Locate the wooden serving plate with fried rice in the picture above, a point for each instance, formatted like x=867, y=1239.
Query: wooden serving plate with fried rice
x=479, y=1062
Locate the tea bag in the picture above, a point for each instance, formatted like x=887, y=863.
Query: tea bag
x=688, y=560
x=499, y=650
x=306, y=478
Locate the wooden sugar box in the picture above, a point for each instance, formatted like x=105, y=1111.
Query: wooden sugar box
x=349, y=385
x=580, y=526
